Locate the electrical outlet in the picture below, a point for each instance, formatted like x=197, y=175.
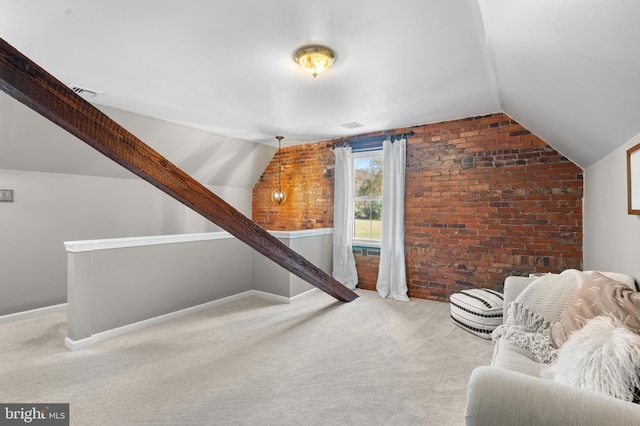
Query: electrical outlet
x=6, y=195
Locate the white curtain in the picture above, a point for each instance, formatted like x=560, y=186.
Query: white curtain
x=344, y=264
x=392, y=278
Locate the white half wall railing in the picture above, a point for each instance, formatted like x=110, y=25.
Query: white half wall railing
x=116, y=286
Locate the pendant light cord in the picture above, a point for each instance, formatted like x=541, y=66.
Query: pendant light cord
x=279, y=162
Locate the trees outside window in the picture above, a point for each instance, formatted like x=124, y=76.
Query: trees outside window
x=367, y=196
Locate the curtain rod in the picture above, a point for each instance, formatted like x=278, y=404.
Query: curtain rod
x=370, y=142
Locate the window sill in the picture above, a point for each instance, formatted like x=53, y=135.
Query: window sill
x=366, y=247
x=365, y=243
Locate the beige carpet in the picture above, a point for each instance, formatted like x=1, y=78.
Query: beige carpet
x=254, y=362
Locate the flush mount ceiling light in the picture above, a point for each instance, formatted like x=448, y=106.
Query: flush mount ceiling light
x=278, y=196
x=314, y=59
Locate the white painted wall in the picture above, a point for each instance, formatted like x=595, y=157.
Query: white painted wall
x=50, y=208
x=65, y=190
x=116, y=286
x=611, y=236
x=316, y=245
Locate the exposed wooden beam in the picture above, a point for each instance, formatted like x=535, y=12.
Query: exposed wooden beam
x=28, y=83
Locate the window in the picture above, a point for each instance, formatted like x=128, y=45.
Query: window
x=367, y=197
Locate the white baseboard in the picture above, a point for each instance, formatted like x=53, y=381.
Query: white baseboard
x=271, y=296
x=305, y=294
x=32, y=313
x=115, y=332
x=284, y=299
x=108, y=334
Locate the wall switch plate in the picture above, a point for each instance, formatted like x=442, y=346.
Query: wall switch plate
x=6, y=195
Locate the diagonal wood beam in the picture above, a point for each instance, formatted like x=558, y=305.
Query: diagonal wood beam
x=25, y=81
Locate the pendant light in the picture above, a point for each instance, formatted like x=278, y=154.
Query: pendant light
x=278, y=196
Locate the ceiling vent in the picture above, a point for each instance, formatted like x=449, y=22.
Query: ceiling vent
x=90, y=93
x=353, y=125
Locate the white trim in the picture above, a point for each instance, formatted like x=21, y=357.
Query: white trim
x=114, y=243
x=271, y=296
x=119, y=331
x=128, y=242
x=302, y=233
x=32, y=313
x=305, y=294
x=365, y=243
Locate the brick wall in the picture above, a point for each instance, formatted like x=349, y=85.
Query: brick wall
x=367, y=263
x=307, y=178
x=484, y=199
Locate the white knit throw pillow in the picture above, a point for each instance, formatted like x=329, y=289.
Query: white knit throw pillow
x=548, y=296
x=533, y=311
x=603, y=357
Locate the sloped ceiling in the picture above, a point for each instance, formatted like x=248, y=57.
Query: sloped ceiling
x=569, y=71
x=30, y=142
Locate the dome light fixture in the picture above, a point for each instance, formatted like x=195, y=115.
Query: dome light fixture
x=314, y=59
x=278, y=196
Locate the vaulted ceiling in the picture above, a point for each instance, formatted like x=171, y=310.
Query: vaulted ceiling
x=567, y=70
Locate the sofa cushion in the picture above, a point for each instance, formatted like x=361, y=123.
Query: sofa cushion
x=511, y=357
x=477, y=310
x=598, y=295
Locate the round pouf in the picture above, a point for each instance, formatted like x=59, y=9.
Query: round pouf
x=477, y=310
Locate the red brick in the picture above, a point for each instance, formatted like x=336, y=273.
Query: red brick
x=515, y=207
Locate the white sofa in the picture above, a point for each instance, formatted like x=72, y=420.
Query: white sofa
x=511, y=391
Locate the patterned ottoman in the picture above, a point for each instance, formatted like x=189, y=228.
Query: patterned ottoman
x=477, y=310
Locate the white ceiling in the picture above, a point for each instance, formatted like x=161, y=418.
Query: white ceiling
x=568, y=70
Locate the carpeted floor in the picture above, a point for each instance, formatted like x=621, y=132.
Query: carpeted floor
x=255, y=362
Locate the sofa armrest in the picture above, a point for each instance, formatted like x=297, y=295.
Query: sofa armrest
x=500, y=397
x=513, y=286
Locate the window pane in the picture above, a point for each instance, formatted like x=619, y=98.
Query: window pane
x=368, y=177
x=368, y=219
x=376, y=220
